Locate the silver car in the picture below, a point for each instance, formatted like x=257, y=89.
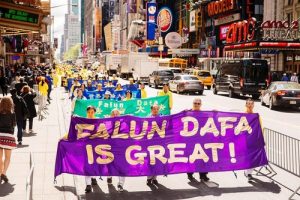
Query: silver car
x=186, y=83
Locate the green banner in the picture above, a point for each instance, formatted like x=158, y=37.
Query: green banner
x=135, y=107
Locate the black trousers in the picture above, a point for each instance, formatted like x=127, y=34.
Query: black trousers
x=4, y=90
x=30, y=123
x=20, y=130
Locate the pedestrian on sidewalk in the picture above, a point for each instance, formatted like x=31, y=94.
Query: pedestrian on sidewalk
x=203, y=175
x=7, y=140
x=294, y=78
x=3, y=83
x=28, y=95
x=116, y=113
x=21, y=112
x=20, y=85
x=90, y=114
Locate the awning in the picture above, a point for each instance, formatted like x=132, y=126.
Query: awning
x=254, y=46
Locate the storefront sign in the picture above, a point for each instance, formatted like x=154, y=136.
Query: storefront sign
x=173, y=40
x=18, y=15
x=223, y=32
x=131, y=6
x=227, y=19
x=164, y=19
x=183, y=51
x=289, y=58
x=151, y=14
x=192, y=21
x=219, y=7
x=297, y=58
x=241, y=31
x=280, y=30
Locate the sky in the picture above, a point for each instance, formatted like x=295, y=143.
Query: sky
x=59, y=17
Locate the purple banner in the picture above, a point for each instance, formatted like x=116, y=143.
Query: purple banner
x=190, y=141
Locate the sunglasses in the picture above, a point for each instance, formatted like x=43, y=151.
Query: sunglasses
x=197, y=103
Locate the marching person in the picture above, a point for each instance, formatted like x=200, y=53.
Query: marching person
x=7, y=140
x=28, y=95
x=249, y=109
x=128, y=96
x=116, y=113
x=21, y=112
x=107, y=95
x=203, y=175
x=90, y=114
x=166, y=92
x=152, y=180
x=79, y=95
x=143, y=91
x=43, y=91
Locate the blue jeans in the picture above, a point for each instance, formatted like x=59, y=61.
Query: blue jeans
x=20, y=130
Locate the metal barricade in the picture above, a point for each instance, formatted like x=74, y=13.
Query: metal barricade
x=284, y=152
x=29, y=180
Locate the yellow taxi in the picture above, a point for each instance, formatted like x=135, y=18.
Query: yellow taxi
x=204, y=76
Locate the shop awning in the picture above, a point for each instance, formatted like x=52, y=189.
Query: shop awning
x=254, y=46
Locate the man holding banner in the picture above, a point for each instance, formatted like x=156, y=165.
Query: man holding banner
x=166, y=92
x=203, y=175
x=152, y=180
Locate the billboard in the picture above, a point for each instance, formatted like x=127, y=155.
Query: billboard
x=151, y=16
x=192, y=21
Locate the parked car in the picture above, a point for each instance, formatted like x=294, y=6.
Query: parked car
x=186, y=83
x=279, y=93
x=245, y=76
x=159, y=77
x=205, y=77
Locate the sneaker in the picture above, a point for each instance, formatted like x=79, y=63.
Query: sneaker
x=149, y=182
x=94, y=181
x=204, y=178
x=20, y=143
x=120, y=188
x=88, y=189
x=109, y=181
x=155, y=182
x=24, y=131
x=30, y=131
x=4, y=178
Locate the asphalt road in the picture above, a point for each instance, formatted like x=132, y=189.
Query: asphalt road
x=283, y=120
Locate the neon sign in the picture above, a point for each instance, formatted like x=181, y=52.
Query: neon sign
x=241, y=31
x=18, y=15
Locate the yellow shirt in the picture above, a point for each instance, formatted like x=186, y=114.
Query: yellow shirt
x=143, y=94
x=43, y=89
x=162, y=93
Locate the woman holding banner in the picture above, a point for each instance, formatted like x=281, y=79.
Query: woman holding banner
x=128, y=96
x=116, y=113
x=90, y=114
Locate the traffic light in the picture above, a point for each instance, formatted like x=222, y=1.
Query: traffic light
x=199, y=19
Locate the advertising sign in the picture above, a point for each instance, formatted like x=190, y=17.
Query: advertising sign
x=164, y=19
x=227, y=19
x=223, y=32
x=151, y=25
x=18, y=15
x=131, y=6
x=192, y=21
x=173, y=40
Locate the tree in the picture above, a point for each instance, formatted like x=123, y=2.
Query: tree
x=72, y=53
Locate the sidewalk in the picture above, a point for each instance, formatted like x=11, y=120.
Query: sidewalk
x=42, y=144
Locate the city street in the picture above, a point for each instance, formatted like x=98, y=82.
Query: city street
x=93, y=101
